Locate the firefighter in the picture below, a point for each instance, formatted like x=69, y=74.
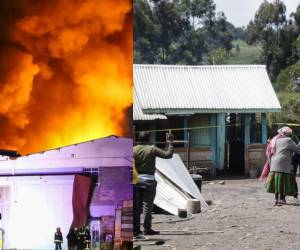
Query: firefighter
x=58, y=239
x=76, y=232
x=72, y=239
x=80, y=238
x=87, y=238
x=2, y=238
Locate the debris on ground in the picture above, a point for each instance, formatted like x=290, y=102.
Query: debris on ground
x=240, y=217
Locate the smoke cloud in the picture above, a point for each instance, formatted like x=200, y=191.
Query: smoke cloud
x=65, y=71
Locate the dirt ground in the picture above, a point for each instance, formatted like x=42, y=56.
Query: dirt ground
x=242, y=216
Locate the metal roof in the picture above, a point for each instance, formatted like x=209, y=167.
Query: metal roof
x=138, y=114
x=111, y=151
x=180, y=89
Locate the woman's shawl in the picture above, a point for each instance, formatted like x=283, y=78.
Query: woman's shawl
x=271, y=149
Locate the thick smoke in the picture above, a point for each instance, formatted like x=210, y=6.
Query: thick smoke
x=65, y=71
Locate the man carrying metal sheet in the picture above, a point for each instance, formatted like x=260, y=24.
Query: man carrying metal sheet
x=144, y=157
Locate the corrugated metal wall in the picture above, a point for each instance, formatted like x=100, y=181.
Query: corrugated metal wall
x=200, y=137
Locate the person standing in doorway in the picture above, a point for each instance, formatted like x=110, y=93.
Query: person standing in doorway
x=144, y=156
x=58, y=239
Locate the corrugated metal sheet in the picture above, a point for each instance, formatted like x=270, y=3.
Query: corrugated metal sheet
x=200, y=89
x=138, y=114
x=172, y=197
x=175, y=170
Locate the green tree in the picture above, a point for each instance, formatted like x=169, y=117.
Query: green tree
x=179, y=31
x=146, y=33
x=171, y=26
x=276, y=35
x=218, y=56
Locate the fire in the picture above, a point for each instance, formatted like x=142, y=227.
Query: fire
x=65, y=71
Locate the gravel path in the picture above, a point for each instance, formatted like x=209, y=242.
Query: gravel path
x=242, y=216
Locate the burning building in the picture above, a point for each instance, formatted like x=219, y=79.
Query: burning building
x=65, y=77
x=72, y=186
x=65, y=71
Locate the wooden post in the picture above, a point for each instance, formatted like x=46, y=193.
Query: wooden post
x=242, y=127
x=253, y=129
x=247, y=129
x=118, y=224
x=188, y=151
x=264, y=131
x=213, y=143
x=185, y=131
x=152, y=137
x=220, y=156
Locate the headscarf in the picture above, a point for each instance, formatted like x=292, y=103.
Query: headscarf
x=285, y=130
x=282, y=132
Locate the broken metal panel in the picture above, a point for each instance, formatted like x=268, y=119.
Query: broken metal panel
x=168, y=197
x=175, y=185
x=177, y=173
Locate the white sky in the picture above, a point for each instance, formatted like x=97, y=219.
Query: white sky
x=240, y=12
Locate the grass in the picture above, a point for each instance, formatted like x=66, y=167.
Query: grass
x=247, y=54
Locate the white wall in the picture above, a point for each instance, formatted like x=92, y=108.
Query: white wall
x=33, y=208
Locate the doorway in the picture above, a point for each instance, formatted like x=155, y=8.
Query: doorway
x=95, y=234
x=235, y=146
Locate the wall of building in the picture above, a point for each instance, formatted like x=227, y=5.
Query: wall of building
x=200, y=137
x=32, y=208
x=114, y=187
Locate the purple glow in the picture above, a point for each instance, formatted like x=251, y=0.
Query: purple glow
x=43, y=195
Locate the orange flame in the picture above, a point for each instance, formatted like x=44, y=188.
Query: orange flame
x=65, y=72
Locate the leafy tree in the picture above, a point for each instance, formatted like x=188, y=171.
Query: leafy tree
x=146, y=33
x=218, y=56
x=286, y=78
x=171, y=25
x=276, y=35
x=178, y=31
x=296, y=16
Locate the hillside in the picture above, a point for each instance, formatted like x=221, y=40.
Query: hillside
x=246, y=54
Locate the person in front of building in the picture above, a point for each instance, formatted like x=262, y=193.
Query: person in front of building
x=87, y=238
x=2, y=232
x=76, y=232
x=136, y=219
x=280, y=180
x=80, y=239
x=58, y=239
x=72, y=238
x=295, y=162
x=144, y=156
